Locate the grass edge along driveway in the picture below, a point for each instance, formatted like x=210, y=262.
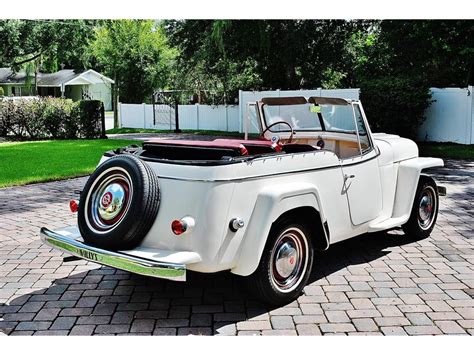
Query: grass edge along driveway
x=24, y=163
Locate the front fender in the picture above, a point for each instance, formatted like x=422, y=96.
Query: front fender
x=271, y=203
x=407, y=182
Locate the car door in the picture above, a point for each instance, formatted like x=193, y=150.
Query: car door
x=361, y=173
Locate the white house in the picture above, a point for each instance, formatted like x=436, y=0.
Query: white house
x=69, y=83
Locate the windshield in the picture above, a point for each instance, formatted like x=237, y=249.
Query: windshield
x=310, y=117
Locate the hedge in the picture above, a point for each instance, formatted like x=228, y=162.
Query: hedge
x=48, y=117
x=395, y=104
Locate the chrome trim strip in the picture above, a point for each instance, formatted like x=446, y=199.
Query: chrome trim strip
x=176, y=272
x=253, y=177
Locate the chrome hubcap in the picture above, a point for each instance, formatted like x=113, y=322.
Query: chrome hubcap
x=289, y=260
x=286, y=259
x=109, y=201
x=427, y=208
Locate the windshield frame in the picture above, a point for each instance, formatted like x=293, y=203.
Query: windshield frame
x=300, y=100
x=321, y=133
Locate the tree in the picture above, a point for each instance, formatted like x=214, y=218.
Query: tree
x=135, y=54
x=273, y=54
x=48, y=42
x=396, y=62
x=440, y=53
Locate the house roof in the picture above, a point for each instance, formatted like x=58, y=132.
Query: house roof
x=59, y=78
x=8, y=77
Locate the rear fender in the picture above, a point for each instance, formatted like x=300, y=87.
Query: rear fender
x=271, y=203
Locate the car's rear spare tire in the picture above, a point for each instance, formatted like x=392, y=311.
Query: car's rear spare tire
x=119, y=203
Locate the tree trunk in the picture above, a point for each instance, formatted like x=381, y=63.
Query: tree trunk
x=36, y=80
x=115, y=102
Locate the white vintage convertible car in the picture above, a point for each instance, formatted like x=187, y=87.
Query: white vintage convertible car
x=259, y=207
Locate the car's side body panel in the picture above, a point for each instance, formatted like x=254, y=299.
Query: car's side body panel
x=272, y=202
x=362, y=188
x=258, y=192
x=407, y=176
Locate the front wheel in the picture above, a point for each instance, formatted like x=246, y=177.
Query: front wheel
x=424, y=211
x=285, y=264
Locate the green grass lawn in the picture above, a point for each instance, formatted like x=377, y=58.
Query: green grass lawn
x=447, y=150
x=28, y=162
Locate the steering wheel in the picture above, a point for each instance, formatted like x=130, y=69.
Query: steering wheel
x=290, y=138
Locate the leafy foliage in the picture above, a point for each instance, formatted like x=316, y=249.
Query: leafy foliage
x=89, y=117
x=50, y=117
x=135, y=54
x=396, y=62
x=49, y=43
x=438, y=52
x=59, y=118
x=259, y=54
x=395, y=104
x=441, y=52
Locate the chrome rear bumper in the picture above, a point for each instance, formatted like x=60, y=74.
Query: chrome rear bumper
x=119, y=260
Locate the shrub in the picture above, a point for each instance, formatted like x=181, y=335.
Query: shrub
x=58, y=118
x=13, y=117
x=3, y=120
x=90, y=118
x=2, y=93
x=32, y=111
x=395, y=104
x=50, y=117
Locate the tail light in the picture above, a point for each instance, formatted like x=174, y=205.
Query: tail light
x=73, y=205
x=178, y=226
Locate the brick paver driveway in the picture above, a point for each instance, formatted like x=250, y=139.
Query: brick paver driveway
x=375, y=284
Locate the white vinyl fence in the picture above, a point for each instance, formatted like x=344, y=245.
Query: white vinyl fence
x=218, y=118
x=198, y=117
x=450, y=117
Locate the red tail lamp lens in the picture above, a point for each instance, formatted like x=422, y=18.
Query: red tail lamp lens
x=178, y=227
x=73, y=205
